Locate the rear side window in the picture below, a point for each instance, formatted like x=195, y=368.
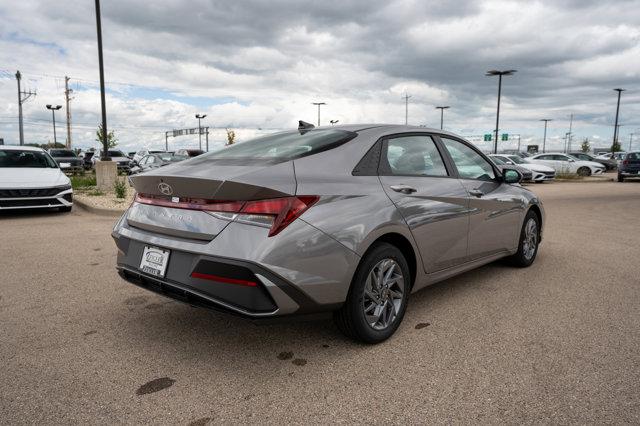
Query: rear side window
x=278, y=147
x=635, y=156
x=412, y=156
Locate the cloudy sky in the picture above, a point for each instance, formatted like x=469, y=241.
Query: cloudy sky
x=256, y=66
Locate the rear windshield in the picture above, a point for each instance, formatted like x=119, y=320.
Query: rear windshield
x=26, y=159
x=280, y=147
x=62, y=153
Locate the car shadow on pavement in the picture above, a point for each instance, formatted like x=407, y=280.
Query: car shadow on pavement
x=209, y=340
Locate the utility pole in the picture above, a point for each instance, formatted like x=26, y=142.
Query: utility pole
x=544, y=140
x=630, y=140
x=442, y=108
x=570, y=134
x=67, y=92
x=406, y=108
x=319, y=104
x=615, y=127
x=22, y=98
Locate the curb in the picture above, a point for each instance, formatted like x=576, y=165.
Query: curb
x=97, y=210
x=584, y=180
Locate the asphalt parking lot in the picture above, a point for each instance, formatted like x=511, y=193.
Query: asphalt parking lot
x=555, y=343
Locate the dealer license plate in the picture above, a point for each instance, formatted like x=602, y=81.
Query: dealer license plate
x=154, y=261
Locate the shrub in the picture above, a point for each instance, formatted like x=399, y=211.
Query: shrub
x=120, y=188
x=83, y=181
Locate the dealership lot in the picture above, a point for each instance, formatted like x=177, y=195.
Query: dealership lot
x=557, y=342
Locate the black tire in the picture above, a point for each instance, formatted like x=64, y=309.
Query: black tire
x=620, y=178
x=522, y=258
x=350, y=319
x=584, y=171
x=65, y=209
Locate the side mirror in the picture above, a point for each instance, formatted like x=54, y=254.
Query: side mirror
x=511, y=176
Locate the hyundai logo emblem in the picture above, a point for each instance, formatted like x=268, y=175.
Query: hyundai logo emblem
x=165, y=188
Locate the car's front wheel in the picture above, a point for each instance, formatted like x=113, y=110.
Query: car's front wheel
x=529, y=241
x=584, y=171
x=378, y=296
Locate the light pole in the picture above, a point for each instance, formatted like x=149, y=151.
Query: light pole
x=615, y=128
x=630, y=140
x=544, y=140
x=53, y=115
x=105, y=133
x=492, y=73
x=200, y=117
x=319, y=104
x=442, y=108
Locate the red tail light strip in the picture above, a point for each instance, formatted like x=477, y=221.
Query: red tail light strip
x=225, y=280
x=284, y=210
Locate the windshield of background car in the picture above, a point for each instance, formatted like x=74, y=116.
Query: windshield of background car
x=26, y=159
x=62, y=153
x=116, y=153
x=278, y=147
x=167, y=156
x=499, y=161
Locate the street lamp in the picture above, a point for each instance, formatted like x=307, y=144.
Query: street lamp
x=544, y=140
x=442, y=108
x=615, y=128
x=333, y=122
x=318, y=103
x=492, y=73
x=200, y=117
x=105, y=144
x=53, y=114
x=631, y=140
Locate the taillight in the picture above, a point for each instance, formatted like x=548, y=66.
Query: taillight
x=625, y=162
x=280, y=212
x=275, y=214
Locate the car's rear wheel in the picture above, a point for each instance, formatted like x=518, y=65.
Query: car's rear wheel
x=529, y=241
x=378, y=296
x=584, y=171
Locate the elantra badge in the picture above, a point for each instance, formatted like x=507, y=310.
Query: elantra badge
x=165, y=188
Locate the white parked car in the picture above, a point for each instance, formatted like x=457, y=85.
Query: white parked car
x=31, y=179
x=120, y=158
x=541, y=173
x=144, y=152
x=565, y=163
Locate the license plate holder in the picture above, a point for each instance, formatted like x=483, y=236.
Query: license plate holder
x=154, y=261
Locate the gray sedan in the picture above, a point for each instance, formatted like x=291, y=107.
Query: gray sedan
x=348, y=220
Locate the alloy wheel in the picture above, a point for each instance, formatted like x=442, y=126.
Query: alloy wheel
x=530, y=241
x=383, y=294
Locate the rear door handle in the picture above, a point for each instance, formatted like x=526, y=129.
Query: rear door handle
x=405, y=189
x=476, y=193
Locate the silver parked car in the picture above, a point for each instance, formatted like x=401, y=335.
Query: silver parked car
x=346, y=219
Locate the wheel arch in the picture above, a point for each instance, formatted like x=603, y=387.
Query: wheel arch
x=404, y=245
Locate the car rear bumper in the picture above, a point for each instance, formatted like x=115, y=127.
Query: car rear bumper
x=629, y=173
x=299, y=271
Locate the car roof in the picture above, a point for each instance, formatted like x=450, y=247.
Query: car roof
x=20, y=148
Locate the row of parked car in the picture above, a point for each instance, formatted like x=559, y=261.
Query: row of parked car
x=131, y=163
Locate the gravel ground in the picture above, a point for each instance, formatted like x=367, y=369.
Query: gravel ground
x=558, y=342
x=107, y=201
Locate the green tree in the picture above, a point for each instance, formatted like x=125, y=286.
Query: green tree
x=231, y=137
x=615, y=147
x=586, y=146
x=112, y=141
